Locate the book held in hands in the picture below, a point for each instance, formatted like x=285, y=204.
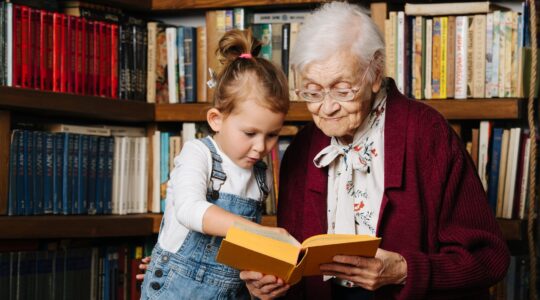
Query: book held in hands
x=250, y=248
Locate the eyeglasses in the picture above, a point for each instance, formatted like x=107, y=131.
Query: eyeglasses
x=338, y=94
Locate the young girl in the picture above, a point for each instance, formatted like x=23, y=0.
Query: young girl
x=219, y=180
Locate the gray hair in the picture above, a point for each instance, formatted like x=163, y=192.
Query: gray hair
x=338, y=26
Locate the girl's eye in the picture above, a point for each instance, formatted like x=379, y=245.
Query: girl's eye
x=272, y=135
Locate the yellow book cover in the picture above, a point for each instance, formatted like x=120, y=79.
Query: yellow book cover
x=249, y=248
x=443, y=48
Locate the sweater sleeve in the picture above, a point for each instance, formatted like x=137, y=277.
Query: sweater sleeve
x=188, y=183
x=470, y=250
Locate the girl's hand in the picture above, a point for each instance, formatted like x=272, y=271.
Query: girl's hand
x=264, y=286
x=370, y=273
x=143, y=266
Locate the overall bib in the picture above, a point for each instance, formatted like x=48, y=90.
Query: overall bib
x=192, y=272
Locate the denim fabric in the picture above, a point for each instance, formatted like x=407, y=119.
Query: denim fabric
x=192, y=272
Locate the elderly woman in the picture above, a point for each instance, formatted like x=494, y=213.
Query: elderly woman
x=374, y=162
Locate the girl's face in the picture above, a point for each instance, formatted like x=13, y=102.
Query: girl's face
x=248, y=133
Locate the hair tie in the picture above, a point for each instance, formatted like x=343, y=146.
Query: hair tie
x=245, y=55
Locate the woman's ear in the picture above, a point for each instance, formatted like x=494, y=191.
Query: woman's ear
x=378, y=65
x=215, y=119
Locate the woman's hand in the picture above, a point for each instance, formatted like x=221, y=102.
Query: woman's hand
x=143, y=266
x=264, y=286
x=369, y=273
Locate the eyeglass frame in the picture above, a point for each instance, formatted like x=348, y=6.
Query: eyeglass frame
x=324, y=92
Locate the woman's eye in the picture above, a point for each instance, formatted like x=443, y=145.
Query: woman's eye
x=250, y=134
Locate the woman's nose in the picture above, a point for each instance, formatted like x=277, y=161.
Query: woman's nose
x=329, y=105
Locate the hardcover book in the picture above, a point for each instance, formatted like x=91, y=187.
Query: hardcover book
x=248, y=248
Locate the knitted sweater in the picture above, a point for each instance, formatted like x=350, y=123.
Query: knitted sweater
x=434, y=211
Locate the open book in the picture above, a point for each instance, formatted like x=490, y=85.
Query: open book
x=249, y=248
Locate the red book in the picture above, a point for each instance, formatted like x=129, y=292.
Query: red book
x=71, y=65
x=46, y=50
x=135, y=285
x=104, y=44
x=96, y=58
x=80, y=52
x=26, y=69
x=16, y=42
x=89, y=61
x=114, y=61
x=58, y=20
x=35, y=49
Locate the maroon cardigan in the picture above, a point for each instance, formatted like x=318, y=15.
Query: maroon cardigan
x=434, y=211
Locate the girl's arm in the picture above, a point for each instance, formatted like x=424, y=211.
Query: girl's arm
x=217, y=221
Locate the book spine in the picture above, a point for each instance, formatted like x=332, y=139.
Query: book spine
x=10, y=46
x=494, y=80
x=47, y=48
x=285, y=35
x=114, y=90
x=75, y=172
x=56, y=51
x=13, y=171
x=92, y=174
x=64, y=54
x=26, y=42
x=451, y=57
x=21, y=191
x=83, y=175
x=35, y=48
x=436, y=59
x=190, y=36
x=462, y=25
x=151, y=63
x=58, y=172
x=201, y=62
x=172, y=62
x=71, y=68
x=29, y=173
x=417, y=58
x=107, y=197
x=429, y=55
x=48, y=173
x=16, y=46
x=479, y=56
x=81, y=48
x=489, y=55
x=38, y=165
x=100, y=174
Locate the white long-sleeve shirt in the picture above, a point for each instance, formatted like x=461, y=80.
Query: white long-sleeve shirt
x=187, y=187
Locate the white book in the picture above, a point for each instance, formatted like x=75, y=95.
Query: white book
x=123, y=181
x=389, y=46
x=489, y=55
x=460, y=79
x=445, y=9
x=9, y=42
x=494, y=80
x=511, y=170
x=78, y=129
x=483, y=153
x=429, y=52
x=524, y=184
x=400, y=47
x=132, y=169
x=279, y=17
x=115, y=203
x=189, y=131
x=125, y=130
x=155, y=206
x=479, y=56
x=172, y=61
x=142, y=178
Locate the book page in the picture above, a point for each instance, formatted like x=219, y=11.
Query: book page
x=331, y=239
x=286, y=238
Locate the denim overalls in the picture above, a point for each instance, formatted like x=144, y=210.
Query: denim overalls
x=192, y=272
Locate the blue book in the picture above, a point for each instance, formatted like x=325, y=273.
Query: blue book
x=181, y=69
x=92, y=174
x=60, y=140
x=28, y=174
x=107, y=196
x=164, y=164
x=21, y=189
x=38, y=165
x=67, y=172
x=100, y=174
x=16, y=137
x=190, y=38
x=48, y=172
x=83, y=175
x=495, y=157
x=75, y=165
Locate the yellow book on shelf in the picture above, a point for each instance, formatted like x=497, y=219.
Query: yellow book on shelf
x=249, y=248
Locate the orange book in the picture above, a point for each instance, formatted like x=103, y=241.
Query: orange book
x=249, y=248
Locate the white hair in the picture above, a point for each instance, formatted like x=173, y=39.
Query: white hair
x=339, y=26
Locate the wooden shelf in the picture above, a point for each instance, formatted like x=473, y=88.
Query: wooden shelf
x=513, y=230
x=473, y=109
x=171, y=5
x=31, y=227
x=77, y=226
x=71, y=105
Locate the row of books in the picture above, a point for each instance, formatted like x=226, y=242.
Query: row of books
x=106, y=273
x=64, y=53
x=434, y=55
x=502, y=159
x=78, y=170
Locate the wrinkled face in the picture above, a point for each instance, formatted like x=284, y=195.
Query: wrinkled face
x=248, y=133
x=334, y=118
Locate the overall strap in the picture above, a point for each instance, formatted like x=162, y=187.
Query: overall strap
x=260, y=175
x=217, y=176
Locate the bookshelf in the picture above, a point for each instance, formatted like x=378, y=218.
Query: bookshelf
x=93, y=109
